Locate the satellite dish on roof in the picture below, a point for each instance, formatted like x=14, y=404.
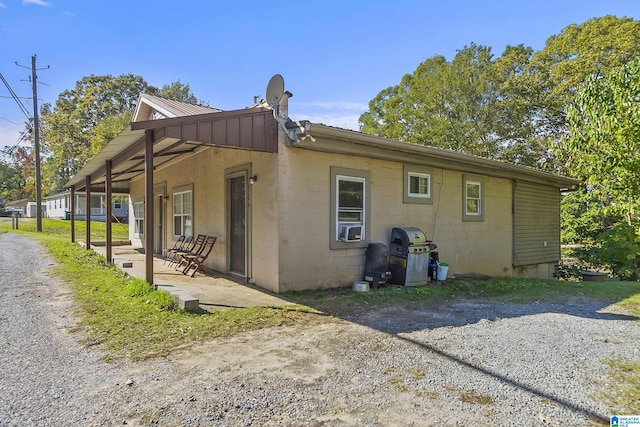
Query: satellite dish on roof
x=275, y=90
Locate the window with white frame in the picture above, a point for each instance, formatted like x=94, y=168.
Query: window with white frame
x=138, y=215
x=350, y=201
x=182, y=213
x=417, y=185
x=350, y=206
x=473, y=198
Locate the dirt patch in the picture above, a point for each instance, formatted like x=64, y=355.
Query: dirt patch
x=466, y=361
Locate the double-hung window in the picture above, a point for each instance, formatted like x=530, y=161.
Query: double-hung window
x=182, y=213
x=350, y=205
x=417, y=185
x=473, y=198
x=138, y=215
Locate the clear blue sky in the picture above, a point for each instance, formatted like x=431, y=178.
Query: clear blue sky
x=335, y=56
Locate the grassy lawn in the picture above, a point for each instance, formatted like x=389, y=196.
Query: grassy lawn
x=128, y=317
x=62, y=228
x=338, y=302
x=131, y=320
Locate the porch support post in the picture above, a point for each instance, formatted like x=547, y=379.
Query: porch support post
x=148, y=204
x=72, y=208
x=87, y=204
x=107, y=219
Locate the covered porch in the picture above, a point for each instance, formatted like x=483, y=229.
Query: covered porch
x=151, y=145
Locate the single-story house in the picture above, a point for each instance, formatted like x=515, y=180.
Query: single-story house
x=278, y=193
x=17, y=205
x=59, y=206
x=31, y=210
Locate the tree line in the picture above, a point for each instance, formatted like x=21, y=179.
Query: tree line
x=75, y=128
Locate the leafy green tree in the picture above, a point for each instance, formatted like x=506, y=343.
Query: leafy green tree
x=108, y=129
x=178, y=91
x=68, y=128
x=548, y=82
x=85, y=118
x=452, y=105
x=603, y=150
x=12, y=182
x=510, y=108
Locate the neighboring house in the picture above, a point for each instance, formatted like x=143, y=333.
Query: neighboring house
x=276, y=193
x=32, y=212
x=59, y=205
x=17, y=205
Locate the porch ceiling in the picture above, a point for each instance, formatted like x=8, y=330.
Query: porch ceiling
x=248, y=129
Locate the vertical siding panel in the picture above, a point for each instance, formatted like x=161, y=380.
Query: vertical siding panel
x=233, y=132
x=536, y=221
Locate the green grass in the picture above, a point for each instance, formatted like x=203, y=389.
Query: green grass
x=132, y=320
x=339, y=302
x=623, y=391
x=127, y=316
x=62, y=228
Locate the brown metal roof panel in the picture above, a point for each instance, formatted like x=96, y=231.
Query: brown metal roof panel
x=190, y=132
x=204, y=132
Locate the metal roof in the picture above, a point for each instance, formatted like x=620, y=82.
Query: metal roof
x=248, y=129
x=336, y=140
x=167, y=108
x=256, y=129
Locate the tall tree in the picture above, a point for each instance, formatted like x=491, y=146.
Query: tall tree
x=511, y=107
x=444, y=104
x=548, y=83
x=84, y=119
x=603, y=150
x=69, y=127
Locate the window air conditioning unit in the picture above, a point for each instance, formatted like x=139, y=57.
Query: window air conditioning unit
x=350, y=233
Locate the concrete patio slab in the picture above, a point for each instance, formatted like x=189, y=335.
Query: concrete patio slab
x=207, y=292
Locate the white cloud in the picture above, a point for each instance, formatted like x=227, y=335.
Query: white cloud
x=339, y=114
x=344, y=121
x=338, y=105
x=36, y=2
x=3, y=6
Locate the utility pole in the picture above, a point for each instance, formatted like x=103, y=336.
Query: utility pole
x=36, y=138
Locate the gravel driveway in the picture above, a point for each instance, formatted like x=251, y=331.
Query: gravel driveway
x=466, y=362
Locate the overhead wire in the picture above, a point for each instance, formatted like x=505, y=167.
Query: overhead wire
x=16, y=98
x=9, y=151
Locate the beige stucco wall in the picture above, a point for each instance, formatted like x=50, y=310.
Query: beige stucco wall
x=290, y=216
x=206, y=172
x=307, y=262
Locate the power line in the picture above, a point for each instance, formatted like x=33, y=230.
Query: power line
x=9, y=151
x=13, y=123
x=15, y=97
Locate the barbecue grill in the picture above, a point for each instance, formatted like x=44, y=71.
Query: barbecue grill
x=409, y=262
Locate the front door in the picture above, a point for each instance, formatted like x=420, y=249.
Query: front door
x=237, y=224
